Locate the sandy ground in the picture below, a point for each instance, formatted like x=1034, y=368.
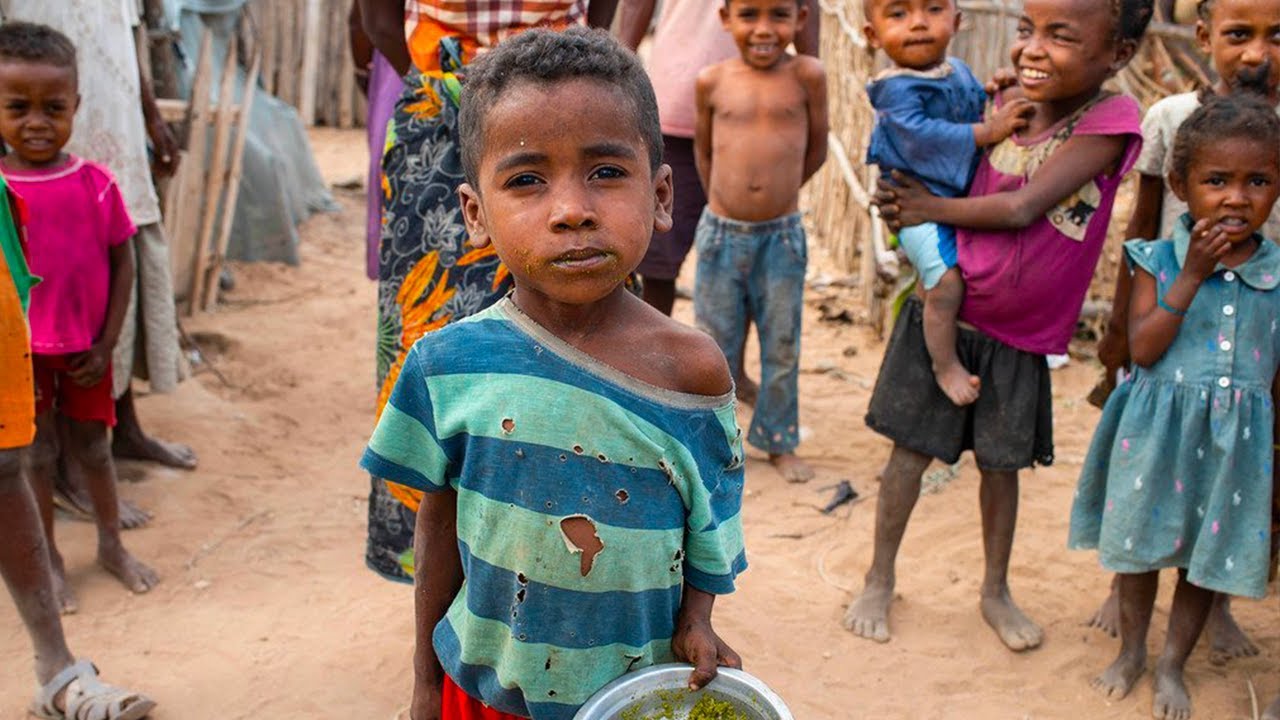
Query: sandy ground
x=266, y=610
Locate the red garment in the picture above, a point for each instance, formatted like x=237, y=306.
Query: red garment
x=457, y=705
x=55, y=388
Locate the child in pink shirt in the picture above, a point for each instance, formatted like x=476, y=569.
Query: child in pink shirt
x=78, y=239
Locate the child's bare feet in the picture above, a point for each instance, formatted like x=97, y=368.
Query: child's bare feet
x=1119, y=678
x=868, y=616
x=137, y=446
x=129, y=570
x=1107, y=619
x=1014, y=628
x=1273, y=710
x=1172, y=701
x=1228, y=640
x=957, y=383
x=791, y=468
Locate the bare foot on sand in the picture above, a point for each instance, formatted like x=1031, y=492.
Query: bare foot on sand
x=957, y=383
x=868, y=616
x=746, y=390
x=1228, y=640
x=1118, y=680
x=791, y=468
x=1107, y=619
x=1273, y=710
x=75, y=502
x=132, y=574
x=1015, y=629
x=137, y=446
x=1171, y=701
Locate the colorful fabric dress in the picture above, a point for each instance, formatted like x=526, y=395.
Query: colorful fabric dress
x=17, y=394
x=428, y=274
x=1179, y=471
x=534, y=435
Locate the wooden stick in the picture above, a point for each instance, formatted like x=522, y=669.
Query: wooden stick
x=310, y=64
x=212, y=286
x=182, y=233
x=216, y=185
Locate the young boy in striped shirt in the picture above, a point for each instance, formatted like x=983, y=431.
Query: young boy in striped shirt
x=578, y=449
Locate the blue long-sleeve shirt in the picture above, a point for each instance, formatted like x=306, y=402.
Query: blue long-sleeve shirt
x=923, y=121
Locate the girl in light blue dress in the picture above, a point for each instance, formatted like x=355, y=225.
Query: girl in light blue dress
x=1179, y=473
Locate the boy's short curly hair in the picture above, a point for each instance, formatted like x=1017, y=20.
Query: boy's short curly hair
x=1221, y=117
x=1132, y=18
x=546, y=56
x=34, y=43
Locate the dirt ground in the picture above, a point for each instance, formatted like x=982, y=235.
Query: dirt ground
x=266, y=609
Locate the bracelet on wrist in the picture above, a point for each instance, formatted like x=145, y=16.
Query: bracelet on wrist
x=1169, y=308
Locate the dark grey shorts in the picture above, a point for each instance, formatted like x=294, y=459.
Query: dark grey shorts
x=1010, y=427
x=667, y=250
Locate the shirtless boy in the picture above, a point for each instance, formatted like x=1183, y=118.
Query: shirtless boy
x=761, y=133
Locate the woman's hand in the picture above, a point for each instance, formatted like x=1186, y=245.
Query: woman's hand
x=903, y=201
x=1209, y=244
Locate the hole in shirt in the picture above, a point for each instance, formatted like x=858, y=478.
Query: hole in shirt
x=508, y=425
x=580, y=538
x=623, y=496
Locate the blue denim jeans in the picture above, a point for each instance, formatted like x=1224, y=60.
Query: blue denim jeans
x=757, y=269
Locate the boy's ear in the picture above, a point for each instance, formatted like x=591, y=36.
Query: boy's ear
x=724, y=15
x=1178, y=185
x=1202, y=38
x=869, y=32
x=959, y=18
x=77, y=104
x=473, y=216
x=663, y=199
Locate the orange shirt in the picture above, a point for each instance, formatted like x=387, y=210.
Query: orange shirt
x=479, y=25
x=17, y=393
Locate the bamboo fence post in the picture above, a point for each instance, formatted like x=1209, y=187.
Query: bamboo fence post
x=211, y=287
x=216, y=182
x=310, y=62
x=181, y=225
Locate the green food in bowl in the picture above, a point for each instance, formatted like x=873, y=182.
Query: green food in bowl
x=707, y=708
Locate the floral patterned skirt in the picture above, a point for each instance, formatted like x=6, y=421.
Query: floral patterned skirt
x=428, y=275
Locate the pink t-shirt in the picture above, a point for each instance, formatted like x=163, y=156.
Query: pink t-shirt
x=1025, y=287
x=688, y=38
x=75, y=216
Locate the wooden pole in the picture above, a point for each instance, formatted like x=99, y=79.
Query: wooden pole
x=310, y=62
x=211, y=285
x=216, y=183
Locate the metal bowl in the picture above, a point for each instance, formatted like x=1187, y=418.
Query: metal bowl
x=648, y=692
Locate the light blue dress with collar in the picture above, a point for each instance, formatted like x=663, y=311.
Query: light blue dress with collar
x=1179, y=471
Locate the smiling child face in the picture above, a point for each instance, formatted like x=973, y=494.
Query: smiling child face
x=565, y=189
x=37, y=104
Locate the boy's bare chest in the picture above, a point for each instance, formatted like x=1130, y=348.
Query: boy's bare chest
x=779, y=101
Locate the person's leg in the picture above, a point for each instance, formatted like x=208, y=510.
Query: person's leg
x=1136, y=594
x=776, y=302
x=868, y=615
x=720, y=291
x=1186, y=621
x=998, y=497
x=745, y=389
x=941, y=308
x=24, y=563
x=130, y=442
x=1227, y=640
x=1107, y=617
x=660, y=293
x=70, y=492
x=44, y=468
x=91, y=448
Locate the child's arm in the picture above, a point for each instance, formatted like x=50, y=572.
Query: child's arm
x=1153, y=321
x=1008, y=119
x=1113, y=349
x=600, y=13
x=702, y=126
x=695, y=641
x=1080, y=159
x=89, y=367
x=814, y=80
x=437, y=577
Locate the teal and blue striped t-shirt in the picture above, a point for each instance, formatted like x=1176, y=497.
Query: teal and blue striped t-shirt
x=530, y=432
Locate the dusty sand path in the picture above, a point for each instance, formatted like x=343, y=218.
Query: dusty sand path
x=266, y=610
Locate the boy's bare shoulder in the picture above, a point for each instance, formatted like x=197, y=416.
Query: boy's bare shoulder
x=808, y=69
x=693, y=362
x=710, y=75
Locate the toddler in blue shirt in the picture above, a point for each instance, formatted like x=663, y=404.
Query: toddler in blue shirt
x=929, y=125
